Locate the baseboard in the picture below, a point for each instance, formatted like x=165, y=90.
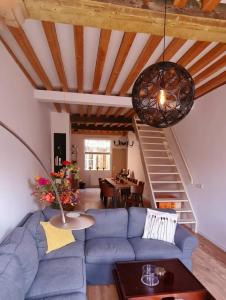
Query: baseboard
x=212, y=241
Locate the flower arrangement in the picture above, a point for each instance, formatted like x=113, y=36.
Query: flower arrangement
x=44, y=191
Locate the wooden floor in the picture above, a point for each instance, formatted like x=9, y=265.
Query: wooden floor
x=209, y=262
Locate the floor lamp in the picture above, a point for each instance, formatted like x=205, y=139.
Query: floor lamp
x=72, y=220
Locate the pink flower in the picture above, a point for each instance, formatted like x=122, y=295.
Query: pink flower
x=48, y=197
x=43, y=181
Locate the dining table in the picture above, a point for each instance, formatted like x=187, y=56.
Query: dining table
x=119, y=184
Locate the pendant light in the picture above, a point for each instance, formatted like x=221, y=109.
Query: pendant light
x=163, y=93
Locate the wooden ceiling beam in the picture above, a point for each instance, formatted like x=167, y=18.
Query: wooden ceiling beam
x=22, y=40
x=101, y=127
x=79, y=55
x=207, y=58
x=51, y=36
x=130, y=16
x=123, y=51
x=101, y=56
x=99, y=111
x=209, y=5
x=172, y=49
x=110, y=111
x=192, y=52
x=12, y=13
x=211, y=85
x=219, y=64
x=142, y=59
x=75, y=118
x=98, y=132
x=129, y=113
x=25, y=72
x=118, y=112
x=179, y=3
x=89, y=110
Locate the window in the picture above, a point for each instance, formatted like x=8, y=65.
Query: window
x=97, y=155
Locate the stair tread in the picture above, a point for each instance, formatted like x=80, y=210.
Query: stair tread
x=147, y=143
x=161, y=165
x=160, y=157
x=164, y=173
x=156, y=150
x=150, y=130
x=153, y=137
x=183, y=221
x=170, y=200
x=165, y=181
x=182, y=210
x=169, y=191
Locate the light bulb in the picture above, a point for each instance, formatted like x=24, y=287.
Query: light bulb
x=162, y=97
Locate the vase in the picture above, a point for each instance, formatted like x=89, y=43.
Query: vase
x=66, y=207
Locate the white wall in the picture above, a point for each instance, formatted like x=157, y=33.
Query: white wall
x=202, y=135
x=135, y=164
x=60, y=123
x=91, y=177
x=30, y=120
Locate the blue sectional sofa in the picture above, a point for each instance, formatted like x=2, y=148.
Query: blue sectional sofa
x=27, y=272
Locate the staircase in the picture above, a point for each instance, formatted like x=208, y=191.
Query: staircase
x=166, y=184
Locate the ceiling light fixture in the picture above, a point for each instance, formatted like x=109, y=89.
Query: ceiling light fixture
x=163, y=93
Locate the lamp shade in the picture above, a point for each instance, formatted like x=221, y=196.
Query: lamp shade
x=163, y=94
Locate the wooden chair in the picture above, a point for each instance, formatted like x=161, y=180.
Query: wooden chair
x=108, y=193
x=134, y=180
x=136, y=196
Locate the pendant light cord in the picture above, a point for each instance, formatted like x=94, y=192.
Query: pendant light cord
x=164, y=34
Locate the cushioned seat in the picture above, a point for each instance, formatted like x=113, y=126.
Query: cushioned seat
x=73, y=249
x=74, y=296
x=108, y=250
x=154, y=249
x=11, y=278
x=57, y=277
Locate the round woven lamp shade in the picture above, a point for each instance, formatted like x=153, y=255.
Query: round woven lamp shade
x=168, y=79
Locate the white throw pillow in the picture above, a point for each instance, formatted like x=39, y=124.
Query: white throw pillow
x=160, y=225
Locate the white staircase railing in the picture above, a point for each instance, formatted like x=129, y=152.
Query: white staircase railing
x=167, y=186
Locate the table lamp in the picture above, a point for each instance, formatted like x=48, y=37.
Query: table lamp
x=72, y=220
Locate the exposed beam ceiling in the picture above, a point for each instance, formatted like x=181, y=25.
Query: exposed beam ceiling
x=75, y=118
x=129, y=16
x=101, y=127
x=22, y=40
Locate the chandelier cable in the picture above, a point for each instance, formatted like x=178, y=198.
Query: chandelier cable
x=164, y=34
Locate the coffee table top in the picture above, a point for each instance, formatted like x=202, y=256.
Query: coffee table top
x=178, y=279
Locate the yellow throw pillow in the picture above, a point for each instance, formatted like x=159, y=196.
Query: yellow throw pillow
x=56, y=237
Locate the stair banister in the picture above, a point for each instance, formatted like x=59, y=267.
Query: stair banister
x=182, y=155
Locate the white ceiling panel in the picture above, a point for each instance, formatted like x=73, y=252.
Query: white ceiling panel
x=65, y=37
x=91, y=41
x=113, y=47
x=20, y=55
x=135, y=50
x=37, y=38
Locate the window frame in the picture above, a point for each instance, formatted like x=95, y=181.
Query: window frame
x=97, y=152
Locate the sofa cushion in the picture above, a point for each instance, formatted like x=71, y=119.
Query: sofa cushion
x=108, y=223
x=49, y=212
x=11, y=281
x=154, y=249
x=70, y=250
x=108, y=250
x=22, y=244
x=136, y=222
x=73, y=296
x=33, y=225
x=58, y=277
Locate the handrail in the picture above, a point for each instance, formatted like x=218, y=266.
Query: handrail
x=182, y=155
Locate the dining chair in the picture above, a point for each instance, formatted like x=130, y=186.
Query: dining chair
x=108, y=193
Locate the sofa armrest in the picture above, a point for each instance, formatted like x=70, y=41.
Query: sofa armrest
x=185, y=241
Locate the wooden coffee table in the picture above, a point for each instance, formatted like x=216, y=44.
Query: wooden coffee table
x=178, y=282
